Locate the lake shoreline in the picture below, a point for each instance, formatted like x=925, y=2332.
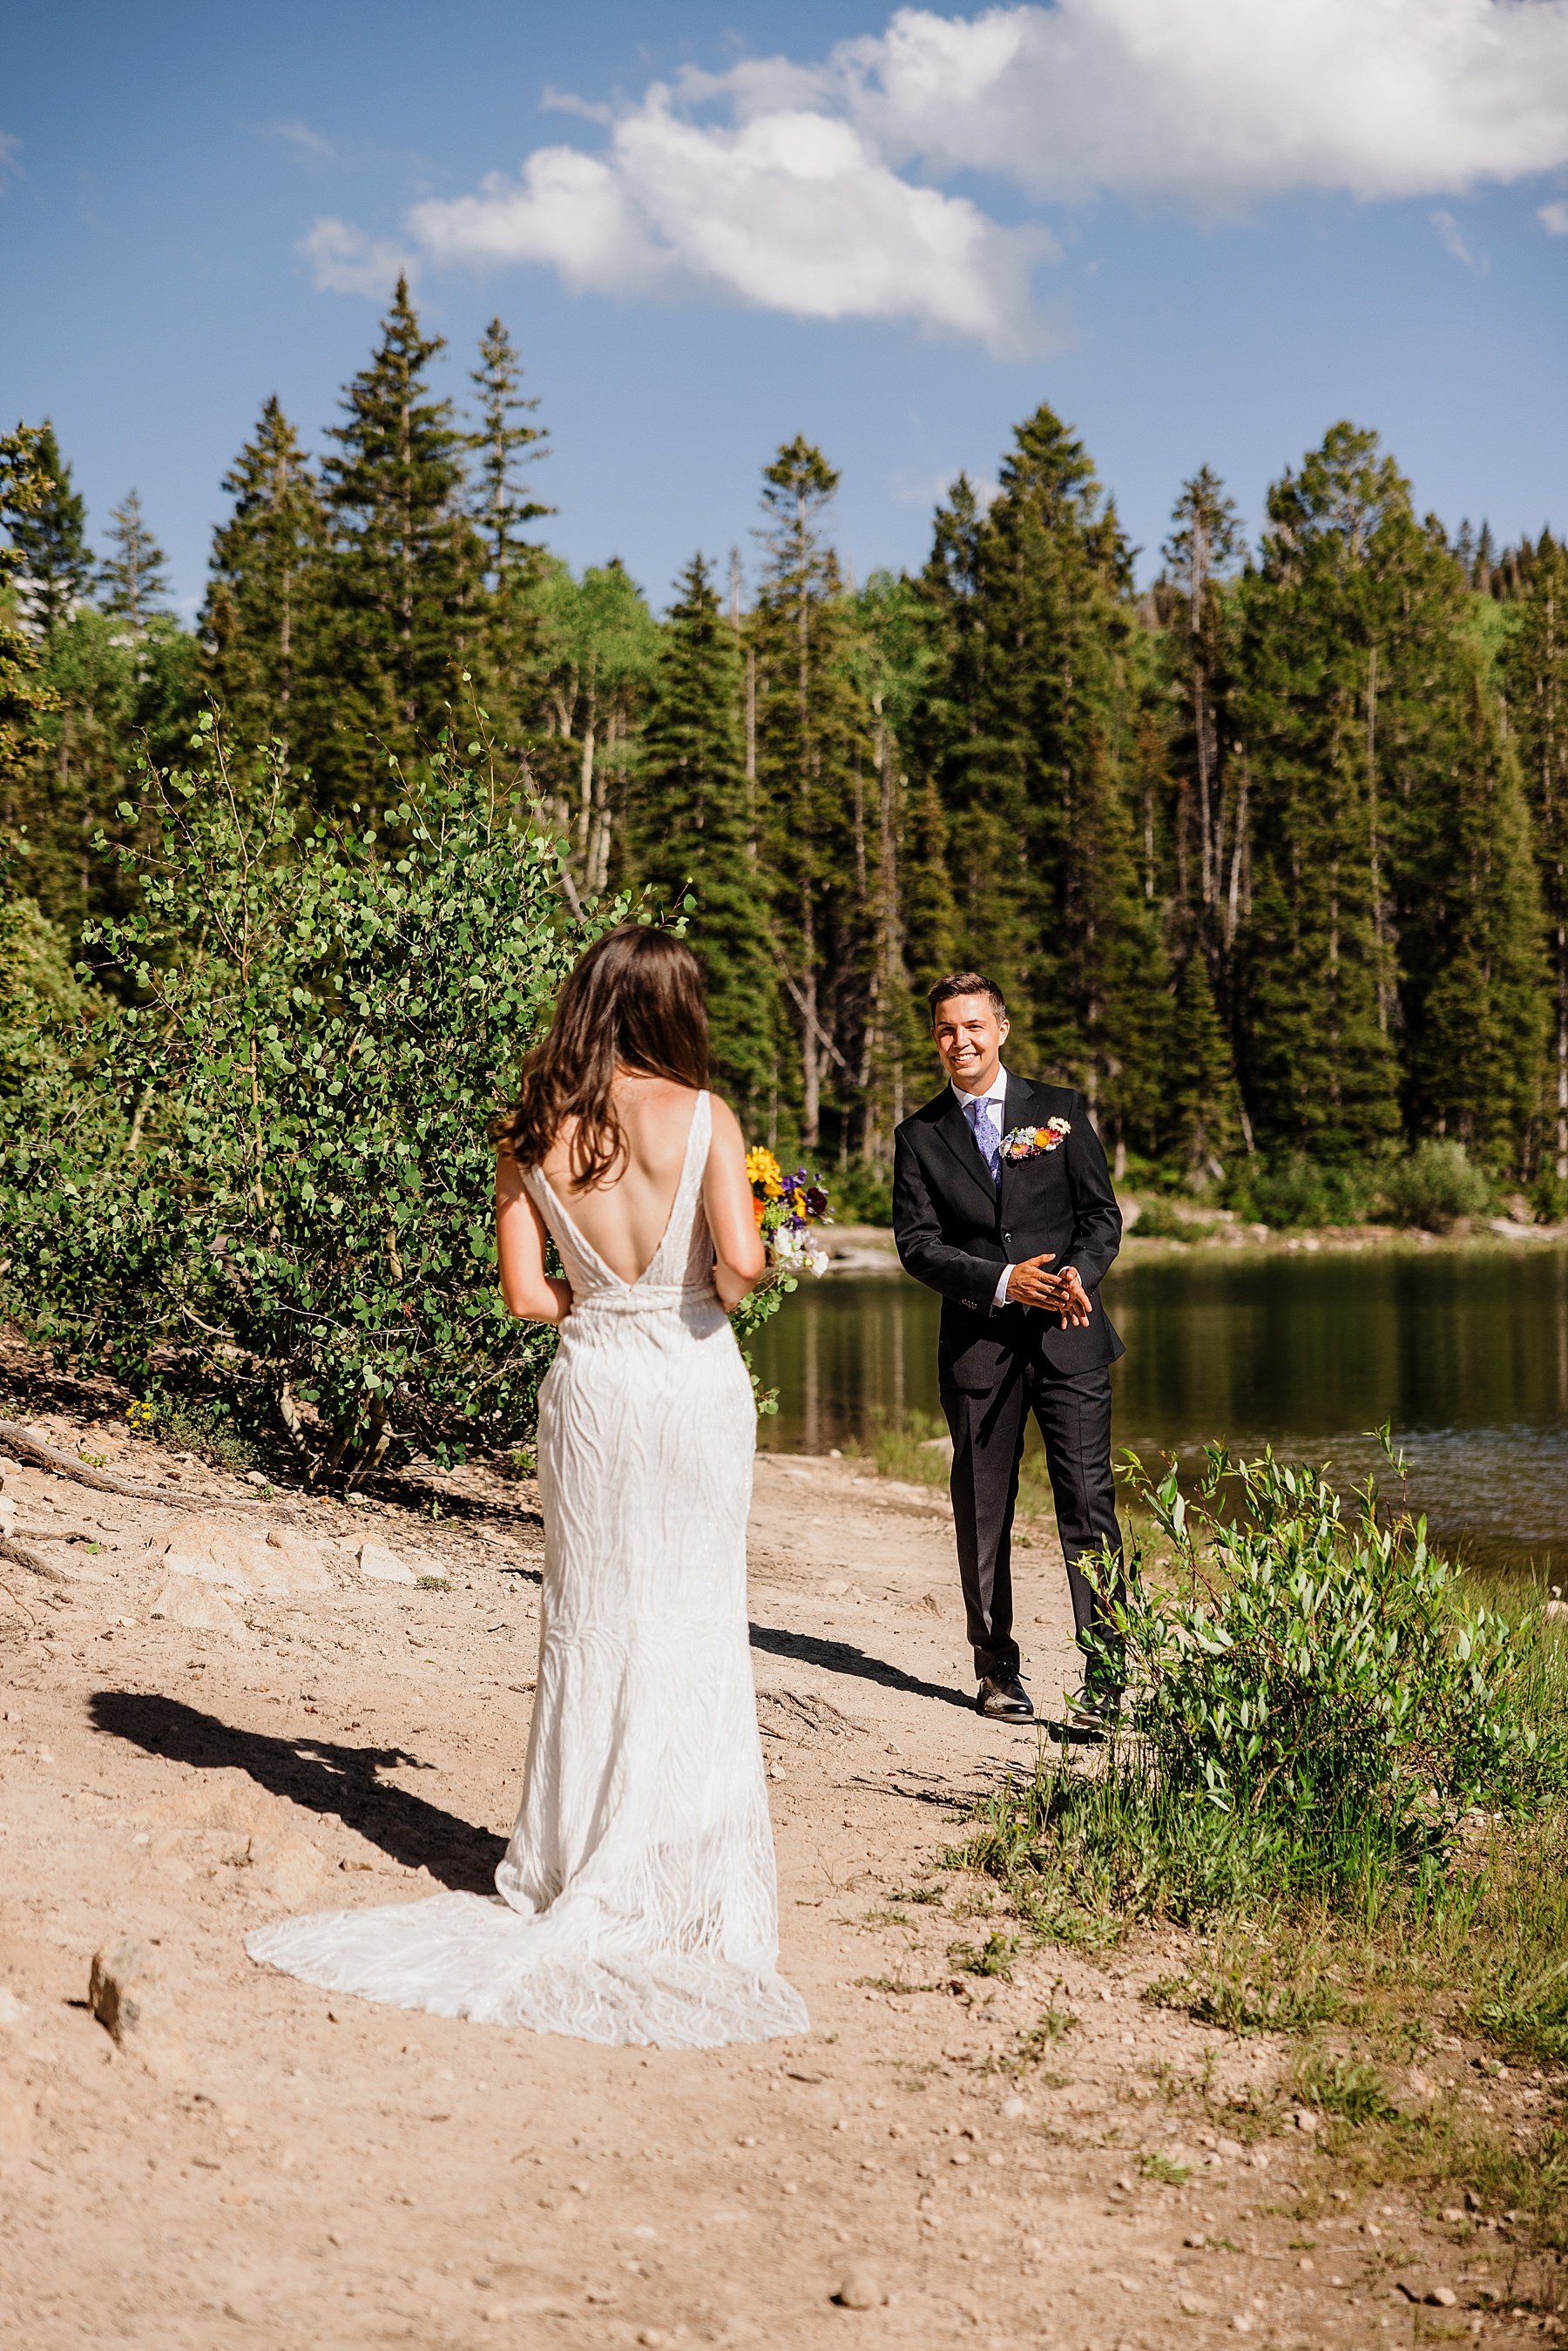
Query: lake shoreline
x=871, y=1248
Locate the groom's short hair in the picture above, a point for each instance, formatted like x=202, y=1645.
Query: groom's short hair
x=965, y=983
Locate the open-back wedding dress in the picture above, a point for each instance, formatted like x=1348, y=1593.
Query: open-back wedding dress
x=637, y=1898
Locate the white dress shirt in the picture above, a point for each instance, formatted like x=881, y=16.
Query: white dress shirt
x=994, y=1097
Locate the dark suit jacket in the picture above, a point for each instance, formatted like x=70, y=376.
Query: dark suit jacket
x=956, y=1232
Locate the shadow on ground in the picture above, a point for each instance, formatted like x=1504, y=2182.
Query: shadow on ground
x=842, y=1658
x=318, y=1775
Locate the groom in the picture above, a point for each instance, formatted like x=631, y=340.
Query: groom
x=1002, y=1202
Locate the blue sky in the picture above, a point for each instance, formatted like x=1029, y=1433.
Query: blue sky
x=1202, y=229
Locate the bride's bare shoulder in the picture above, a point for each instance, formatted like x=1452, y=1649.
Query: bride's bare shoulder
x=726, y=1125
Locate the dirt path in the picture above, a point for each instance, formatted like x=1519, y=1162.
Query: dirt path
x=301, y=2173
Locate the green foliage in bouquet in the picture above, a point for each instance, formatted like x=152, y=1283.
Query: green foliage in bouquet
x=788, y=1209
x=271, y=1172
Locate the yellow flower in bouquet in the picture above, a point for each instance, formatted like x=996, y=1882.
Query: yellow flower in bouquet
x=764, y=1173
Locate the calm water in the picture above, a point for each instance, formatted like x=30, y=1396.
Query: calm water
x=1468, y=1355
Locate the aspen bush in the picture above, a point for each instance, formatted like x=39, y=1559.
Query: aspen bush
x=271, y=1170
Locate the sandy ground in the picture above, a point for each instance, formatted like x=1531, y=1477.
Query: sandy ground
x=293, y=2172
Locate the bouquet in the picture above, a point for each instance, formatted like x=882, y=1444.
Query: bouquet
x=787, y=1207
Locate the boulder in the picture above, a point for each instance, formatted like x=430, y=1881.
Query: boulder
x=273, y=1561
x=861, y=2289
x=381, y=1565
x=181, y=1600
x=127, y=1994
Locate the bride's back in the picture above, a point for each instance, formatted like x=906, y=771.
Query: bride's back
x=623, y=1217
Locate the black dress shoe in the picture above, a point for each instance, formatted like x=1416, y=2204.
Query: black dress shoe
x=1004, y=1697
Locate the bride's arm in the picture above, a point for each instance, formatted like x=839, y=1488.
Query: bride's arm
x=531, y=1293
x=731, y=1215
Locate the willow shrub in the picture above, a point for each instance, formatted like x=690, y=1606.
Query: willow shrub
x=1319, y=1705
x=266, y=1172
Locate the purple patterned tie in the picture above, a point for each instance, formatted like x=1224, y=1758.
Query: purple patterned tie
x=977, y=1111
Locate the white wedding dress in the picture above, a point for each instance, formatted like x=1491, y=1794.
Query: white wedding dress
x=637, y=1898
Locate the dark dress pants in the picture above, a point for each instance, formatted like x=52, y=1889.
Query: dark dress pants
x=1073, y=1409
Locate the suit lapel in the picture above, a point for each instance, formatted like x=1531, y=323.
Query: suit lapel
x=954, y=1129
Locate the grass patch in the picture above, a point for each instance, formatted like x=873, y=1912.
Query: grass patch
x=994, y=1956
x=1347, y=2086
x=1035, y=2043
x=1163, y=2168
x=914, y=1446
x=1345, y=1775
x=1252, y=1989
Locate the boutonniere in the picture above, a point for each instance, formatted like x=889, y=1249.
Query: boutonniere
x=1029, y=1142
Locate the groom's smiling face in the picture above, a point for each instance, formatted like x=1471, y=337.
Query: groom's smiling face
x=969, y=1036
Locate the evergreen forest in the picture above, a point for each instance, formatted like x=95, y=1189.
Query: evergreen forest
x=1271, y=857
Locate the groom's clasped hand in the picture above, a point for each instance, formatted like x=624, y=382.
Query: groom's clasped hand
x=1030, y=1284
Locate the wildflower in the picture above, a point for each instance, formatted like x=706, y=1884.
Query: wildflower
x=763, y=1173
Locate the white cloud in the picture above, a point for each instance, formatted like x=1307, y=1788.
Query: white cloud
x=1218, y=102
x=1452, y=237
x=935, y=489
x=344, y=260
x=305, y=141
x=10, y=148
x=790, y=208
x=1553, y=219
x=809, y=188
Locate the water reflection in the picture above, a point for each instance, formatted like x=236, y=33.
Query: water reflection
x=1468, y=1355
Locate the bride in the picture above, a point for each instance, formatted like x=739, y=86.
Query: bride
x=637, y=1899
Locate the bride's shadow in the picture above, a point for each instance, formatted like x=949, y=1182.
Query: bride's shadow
x=318, y=1775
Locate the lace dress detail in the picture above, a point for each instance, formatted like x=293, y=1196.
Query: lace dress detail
x=637, y=1900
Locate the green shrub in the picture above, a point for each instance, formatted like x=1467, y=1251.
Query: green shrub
x=1325, y=1666
x=863, y=1195
x=1549, y=1197
x=1434, y=1186
x=1298, y=1191
x=273, y=1181
x=1159, y=1221
x=1317, y=1706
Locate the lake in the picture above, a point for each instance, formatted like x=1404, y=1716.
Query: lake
x=1466, y=1353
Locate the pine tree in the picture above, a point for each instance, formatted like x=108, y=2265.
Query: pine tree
x=1200, y=1119
x=132, y=582
x=24, y=696
x=691, y=827
x=1039, y=716
x=510, y=652
x=265, y=618
x=1474, y=1050
x=1535, y=676
x=813, y=760
x=51, y=539
x=504, y=442
x=405, y=568
x=1325, y=739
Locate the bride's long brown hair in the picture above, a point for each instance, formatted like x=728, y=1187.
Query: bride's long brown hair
x=634, y=1002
